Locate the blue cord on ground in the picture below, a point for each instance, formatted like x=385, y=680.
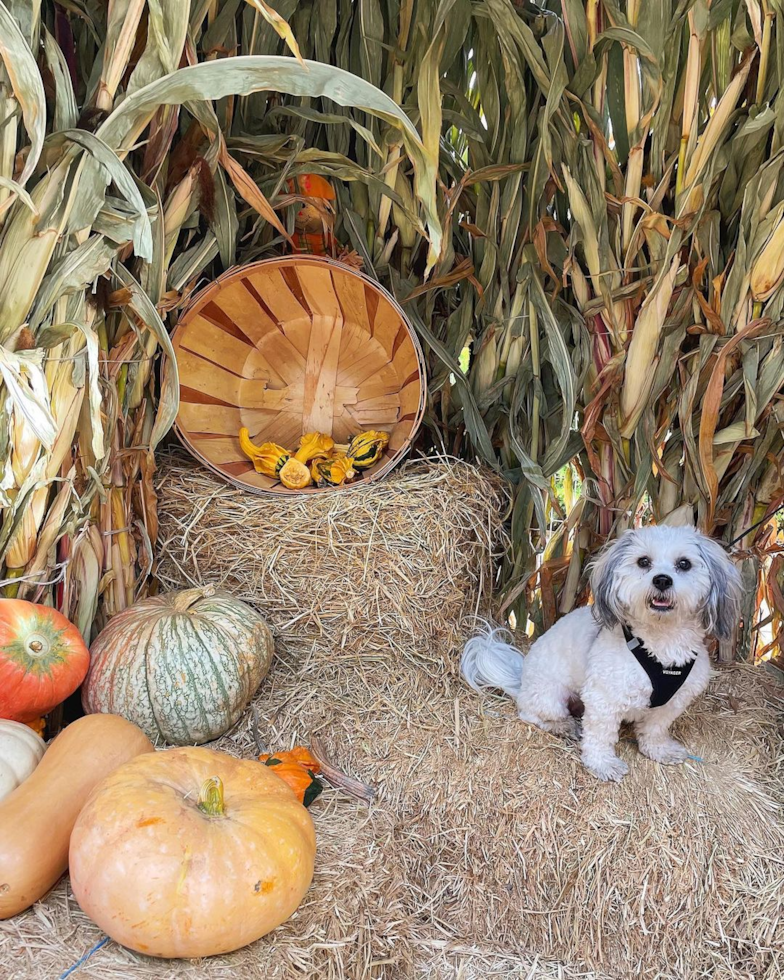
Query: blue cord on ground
x=85, y=958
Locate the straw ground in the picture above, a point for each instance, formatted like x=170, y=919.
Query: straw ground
x=488, y=844
x=488, y=850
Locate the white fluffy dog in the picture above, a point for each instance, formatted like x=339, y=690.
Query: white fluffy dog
x=638, y=654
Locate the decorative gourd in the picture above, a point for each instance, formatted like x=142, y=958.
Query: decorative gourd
x=36, y=820
x=294, y=475
x=268, y=459
x=43, y=659
x=298, y=768
x=191, y=853
x=181, y=666
x=314, y=444
x=366, y=448
x=20, y=752
x=332, y=471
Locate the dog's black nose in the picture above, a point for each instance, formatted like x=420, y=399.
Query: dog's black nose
x=662, y=582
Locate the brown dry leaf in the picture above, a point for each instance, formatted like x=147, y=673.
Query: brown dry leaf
x=280, y=25
x=708, y=311
x=462, y=269
x=711, y=402
x=247, y=189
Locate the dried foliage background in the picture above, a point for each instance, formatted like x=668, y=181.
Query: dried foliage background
x=581, y=205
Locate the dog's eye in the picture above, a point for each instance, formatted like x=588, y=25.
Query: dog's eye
x=644, y=562
x=683, y=565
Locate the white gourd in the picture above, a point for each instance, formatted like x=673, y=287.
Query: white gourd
x=20, y=752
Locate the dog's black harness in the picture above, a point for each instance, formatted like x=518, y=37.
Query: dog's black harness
x=666, y=681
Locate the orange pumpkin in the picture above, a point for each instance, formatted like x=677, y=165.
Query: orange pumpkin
x=313, y=223
x=190, y=853
x=298, y=769
x=43, y=659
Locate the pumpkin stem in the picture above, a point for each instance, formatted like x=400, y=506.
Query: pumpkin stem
x=37, y=645
x=211, y=797
x=184, y=600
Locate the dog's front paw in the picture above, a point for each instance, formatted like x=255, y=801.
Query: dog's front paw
x=669, y=753
x=608, y=768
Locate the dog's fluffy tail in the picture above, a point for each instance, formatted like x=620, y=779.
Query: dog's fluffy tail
x=491, y=660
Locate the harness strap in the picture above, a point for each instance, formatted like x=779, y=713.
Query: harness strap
x=665, y=681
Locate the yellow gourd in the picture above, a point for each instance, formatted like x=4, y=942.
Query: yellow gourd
x=366, y=448
x=317, y=460
x=314, y=444
x=333, y=471
x=294, y=474
x=268, y=459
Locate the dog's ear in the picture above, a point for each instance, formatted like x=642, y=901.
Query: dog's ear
x=606, y=608
x=722, y=607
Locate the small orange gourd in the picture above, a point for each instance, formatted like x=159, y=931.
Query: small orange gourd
x=298, y=768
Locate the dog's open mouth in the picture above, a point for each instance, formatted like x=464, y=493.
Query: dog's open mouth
x=661, y=603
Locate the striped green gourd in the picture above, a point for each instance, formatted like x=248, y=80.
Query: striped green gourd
x=366, y=448
x=181, y=666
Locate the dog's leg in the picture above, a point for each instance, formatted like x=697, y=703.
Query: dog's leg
x=558, y=726
x=653, y=736
x=547, y=707
x=601, y=726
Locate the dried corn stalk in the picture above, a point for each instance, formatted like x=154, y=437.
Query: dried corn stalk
x=587, y=240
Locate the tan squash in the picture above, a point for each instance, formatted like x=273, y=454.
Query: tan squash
x=36, y=820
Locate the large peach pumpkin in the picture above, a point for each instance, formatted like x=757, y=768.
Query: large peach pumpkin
x=43, y=659
x=191, y=852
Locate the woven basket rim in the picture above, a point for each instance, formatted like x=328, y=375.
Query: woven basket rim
x=200, y=299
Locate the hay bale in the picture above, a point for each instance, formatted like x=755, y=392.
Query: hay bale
x=489, y=832
x=489, y=851
x=379, y=571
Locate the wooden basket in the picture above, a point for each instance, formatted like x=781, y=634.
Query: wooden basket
x=293, y=345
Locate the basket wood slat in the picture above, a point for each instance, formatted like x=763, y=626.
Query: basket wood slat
x=293, y=345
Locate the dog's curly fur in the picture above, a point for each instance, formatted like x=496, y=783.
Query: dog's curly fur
x=673, y=588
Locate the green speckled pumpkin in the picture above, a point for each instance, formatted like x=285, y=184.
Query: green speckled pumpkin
x=181, y=666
